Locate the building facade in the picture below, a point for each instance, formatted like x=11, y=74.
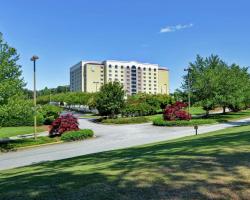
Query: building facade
x=89, y=76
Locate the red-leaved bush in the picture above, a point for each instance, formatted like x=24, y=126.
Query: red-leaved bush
x=176, y=112
x=62, y=124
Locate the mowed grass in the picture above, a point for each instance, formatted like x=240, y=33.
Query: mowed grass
x=211, y=119
x=196, y=111
x=6, y=132
x=208, y=166
x=27, y=142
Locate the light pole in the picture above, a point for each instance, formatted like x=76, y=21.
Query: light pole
x=34, y=58
x=96, y=82
x=189, y=94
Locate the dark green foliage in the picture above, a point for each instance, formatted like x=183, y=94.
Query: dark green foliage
x=77, y=135
x=110, y=99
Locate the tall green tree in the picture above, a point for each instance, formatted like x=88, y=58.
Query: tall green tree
x=203, y=76
x=214, y=83
x=11, y=81
x=110, y=99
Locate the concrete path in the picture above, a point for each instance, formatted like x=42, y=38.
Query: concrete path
x=108, y=137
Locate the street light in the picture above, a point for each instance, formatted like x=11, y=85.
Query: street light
x=34, y=58
x=189, y=92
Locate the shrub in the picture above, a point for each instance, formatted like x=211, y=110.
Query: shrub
x=161, y=122
x=50, y=113
x=77, y=135
x=124, y=120
x=175, y=112
x=18, y=112
x=64, y=123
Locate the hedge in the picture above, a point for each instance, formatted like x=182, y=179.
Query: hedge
x=77, y=135
x=161, y=122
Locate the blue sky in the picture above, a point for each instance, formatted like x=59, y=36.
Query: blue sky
x=167, y=32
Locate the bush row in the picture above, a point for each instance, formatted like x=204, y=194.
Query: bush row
x=161, y=122
x=124, y=120
x=77, y=135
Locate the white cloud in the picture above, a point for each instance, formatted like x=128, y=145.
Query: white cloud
x=178, y=27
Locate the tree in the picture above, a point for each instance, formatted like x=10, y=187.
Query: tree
x=203, y=75
x=110, y=99
x=11, y=82
x=215, y=83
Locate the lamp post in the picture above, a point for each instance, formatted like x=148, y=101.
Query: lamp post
x=189, y=92
x=34, y=58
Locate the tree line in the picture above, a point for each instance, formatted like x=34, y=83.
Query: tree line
x=214, y=83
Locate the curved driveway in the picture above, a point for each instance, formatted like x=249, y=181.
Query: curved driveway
x=108, y=137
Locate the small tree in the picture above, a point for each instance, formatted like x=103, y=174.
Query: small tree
x=11, y=82
x=110, y=99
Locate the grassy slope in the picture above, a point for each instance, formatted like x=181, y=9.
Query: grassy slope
x=13, y=131
x=209, y=166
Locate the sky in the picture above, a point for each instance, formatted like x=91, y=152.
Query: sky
x=167, y=32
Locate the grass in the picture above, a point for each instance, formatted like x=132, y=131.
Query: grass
x=160, y=122
x=90, y=116
x=27, y=142
x=126, y=120
x=212, y=119
x=6, y=132
x=196, y=111
x=208, y=166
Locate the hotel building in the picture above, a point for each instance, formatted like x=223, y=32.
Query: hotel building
x=89, y=76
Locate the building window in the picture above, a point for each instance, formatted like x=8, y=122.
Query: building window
x=116, y=66
x=155, y=70
x=144, y=69
x=110, y=66
x=121, y=67
x=110, y=70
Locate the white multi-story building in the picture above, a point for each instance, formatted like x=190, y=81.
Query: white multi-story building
x=88, y=76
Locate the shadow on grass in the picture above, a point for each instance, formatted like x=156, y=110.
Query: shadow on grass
x=206, y=167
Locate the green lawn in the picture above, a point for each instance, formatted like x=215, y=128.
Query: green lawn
x=196, y=111
x=212, y=119
x=208, y=166
x=13, y=131
x=27, y=142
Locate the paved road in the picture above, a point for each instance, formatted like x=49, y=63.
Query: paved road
x=108, y=137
